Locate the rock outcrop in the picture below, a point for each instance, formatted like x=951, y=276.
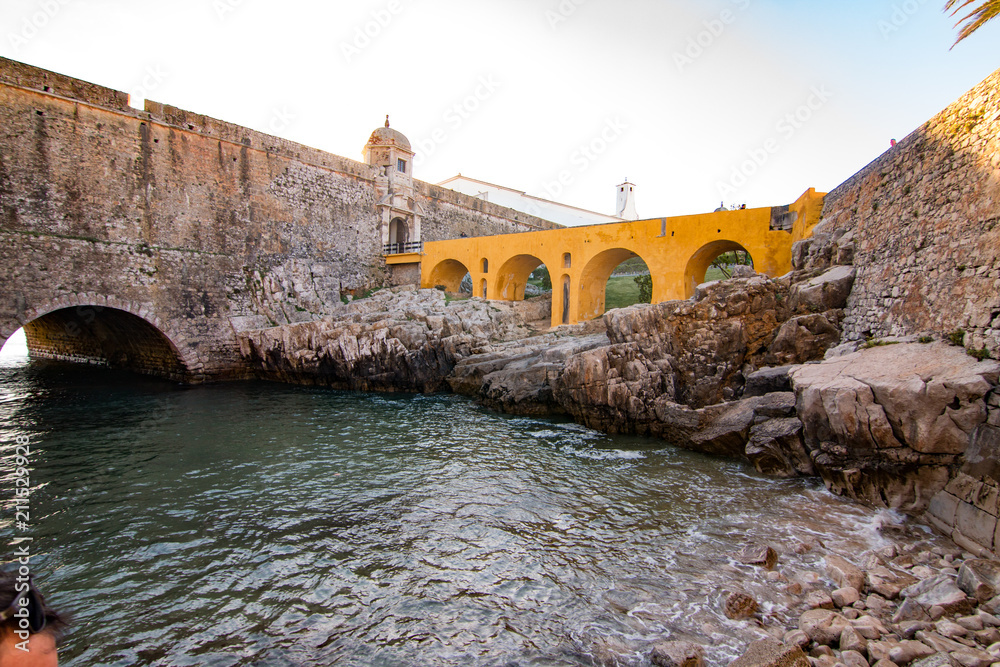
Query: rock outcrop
x=884, y=425
x=396, y=340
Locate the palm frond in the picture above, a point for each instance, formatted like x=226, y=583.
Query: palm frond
x=976, y=18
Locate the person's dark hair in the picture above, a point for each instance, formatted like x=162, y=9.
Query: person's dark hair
x=41, y=617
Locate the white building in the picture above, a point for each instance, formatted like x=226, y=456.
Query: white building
x=563, y=214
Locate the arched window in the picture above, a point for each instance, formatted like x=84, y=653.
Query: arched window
x=566, y=292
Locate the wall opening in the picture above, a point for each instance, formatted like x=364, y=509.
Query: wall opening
x=15, y=349
x=465, y=287
x=399, y=235
x=719, y=260
x=103, y=336
x=482, y=289
x=486, y=265
x=565, y=299
x=609, y=281
x=521, y=276
x=449, y=276
x=567, y=260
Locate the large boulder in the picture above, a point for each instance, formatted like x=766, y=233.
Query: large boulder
x=525, y=384
x=980, y=579
x=768, y=380
x=804, y=338
x=771, y=653
x=678, y=654
x=883, y=424
x=776, y=448
x=827, y=291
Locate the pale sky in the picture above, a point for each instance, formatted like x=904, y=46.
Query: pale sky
x=750, y=101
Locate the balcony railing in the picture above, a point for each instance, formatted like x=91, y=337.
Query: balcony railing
x=402, y=248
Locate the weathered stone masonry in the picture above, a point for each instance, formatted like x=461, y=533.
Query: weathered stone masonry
x=198, y=227
x=925, y=218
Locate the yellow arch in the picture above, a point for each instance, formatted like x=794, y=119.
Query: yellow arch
x=449, y=273
x=512, y=277
x=701, y=260
x=594, y=280
x=675, y=250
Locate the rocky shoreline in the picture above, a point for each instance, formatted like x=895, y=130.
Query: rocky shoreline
x=751, y=368
x=906, y=603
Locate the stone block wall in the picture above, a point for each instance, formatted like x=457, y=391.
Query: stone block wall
x=211, y=227
x=925, y=217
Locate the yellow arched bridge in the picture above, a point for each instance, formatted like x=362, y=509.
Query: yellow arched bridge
x=678, y=252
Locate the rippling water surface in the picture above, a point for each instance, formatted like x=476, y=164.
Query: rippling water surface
x=259, y=524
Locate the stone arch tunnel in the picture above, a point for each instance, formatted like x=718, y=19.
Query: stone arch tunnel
x=123, y=336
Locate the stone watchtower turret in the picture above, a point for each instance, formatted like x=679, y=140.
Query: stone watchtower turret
x=390, y=151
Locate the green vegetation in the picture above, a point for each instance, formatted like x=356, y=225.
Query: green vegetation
x=622, y=292
x=715, y=273
x=719, y=270
x=645, y=283
x=878, y=342
x=978, y=15
x=634, y=265
x=980, y=355
x=925, y=339
x=957, y=337
x=540, y=278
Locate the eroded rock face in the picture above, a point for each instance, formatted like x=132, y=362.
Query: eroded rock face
x=883, y=424
x=396, y=340
x=710, y=339
x=614, y=388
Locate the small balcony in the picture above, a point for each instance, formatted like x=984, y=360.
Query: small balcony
x=403, y=248
x=403, y=253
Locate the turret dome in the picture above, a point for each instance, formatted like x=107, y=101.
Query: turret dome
x=386, y=136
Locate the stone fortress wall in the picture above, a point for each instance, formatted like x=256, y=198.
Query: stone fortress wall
x=925, y=221
x=195, y=226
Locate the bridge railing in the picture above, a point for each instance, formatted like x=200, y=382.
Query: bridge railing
x=402, y=248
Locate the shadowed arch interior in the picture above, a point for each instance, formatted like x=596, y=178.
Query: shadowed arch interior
x=104, y=336
x=594, y=280
x=513, y=276
x=697, y=266
x=449, y=273
x=399, y=233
